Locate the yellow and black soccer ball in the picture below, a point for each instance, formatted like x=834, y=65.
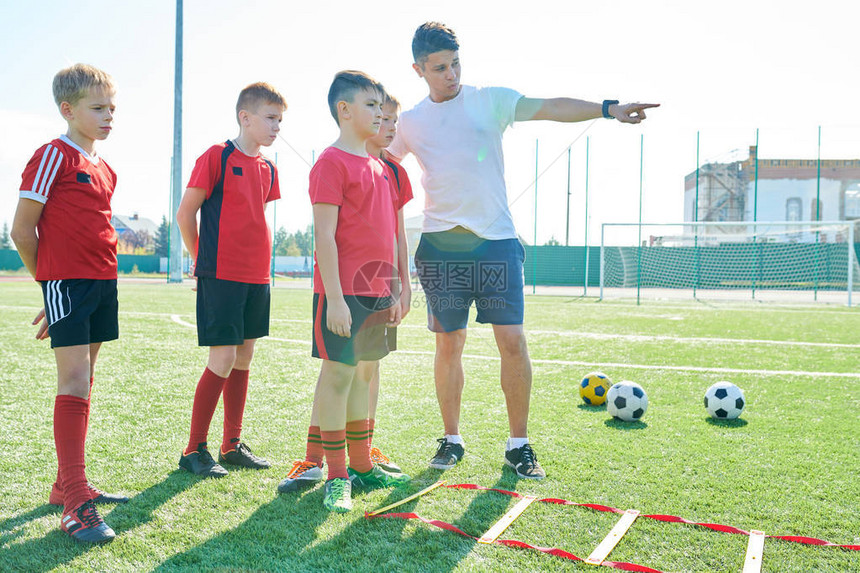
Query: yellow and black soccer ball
x=594, y=387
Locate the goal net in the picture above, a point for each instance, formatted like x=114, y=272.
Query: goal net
x=785, y=260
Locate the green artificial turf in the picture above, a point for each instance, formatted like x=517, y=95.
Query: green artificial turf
x=789, y=466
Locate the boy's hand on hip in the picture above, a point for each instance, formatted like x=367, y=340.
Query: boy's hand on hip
x=40, y=319
x=339, y=319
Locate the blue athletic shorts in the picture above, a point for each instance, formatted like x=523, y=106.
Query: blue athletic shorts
x=458, y=268
x=81, y=311
x=230, y=312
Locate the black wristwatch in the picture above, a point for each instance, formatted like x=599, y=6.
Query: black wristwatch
x=606, y=104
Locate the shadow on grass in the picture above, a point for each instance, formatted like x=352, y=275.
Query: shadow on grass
x=57, y=548
x=8, y=525
x=426, y=548
x=140, y=508
x=617, y=424
x=736, y=423
x=595, y=409
x=269, y=540
x=291, y=533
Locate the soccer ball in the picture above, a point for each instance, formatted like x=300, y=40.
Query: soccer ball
x=626, y=401
x=594, y=387
x=724, y=401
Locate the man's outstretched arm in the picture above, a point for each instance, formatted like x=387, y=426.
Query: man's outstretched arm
x=570, y=110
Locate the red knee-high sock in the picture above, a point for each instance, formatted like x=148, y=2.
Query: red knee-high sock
x=334, y=445
x=358, y=443
x=235, y=393
x=314, y=451
x=70, y=428
x=205, y=400
x=58, y=485
x=371, y=425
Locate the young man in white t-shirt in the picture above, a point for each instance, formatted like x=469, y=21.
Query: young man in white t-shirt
x=469, y=251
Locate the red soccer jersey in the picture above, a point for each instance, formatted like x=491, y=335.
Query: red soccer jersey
x=235, y=242
x=76, y=238
x=402, y=184
x=366, y=221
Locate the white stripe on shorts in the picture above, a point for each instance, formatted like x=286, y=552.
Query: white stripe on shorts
x=54, y=308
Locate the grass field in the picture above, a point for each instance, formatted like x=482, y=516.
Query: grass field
x=790, y=466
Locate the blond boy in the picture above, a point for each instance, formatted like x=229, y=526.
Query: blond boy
x=230, y=186
x=64, y=236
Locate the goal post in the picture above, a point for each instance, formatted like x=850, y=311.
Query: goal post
x=796, y=261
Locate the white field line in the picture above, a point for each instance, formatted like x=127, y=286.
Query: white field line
x=635, y=337
x=176, y=318
x=566, y=333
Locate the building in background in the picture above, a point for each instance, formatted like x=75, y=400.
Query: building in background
x=786, y=191
x=136, y=233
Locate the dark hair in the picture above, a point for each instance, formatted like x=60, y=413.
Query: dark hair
x=348, y=83
x=255, y=94
x=432, y=37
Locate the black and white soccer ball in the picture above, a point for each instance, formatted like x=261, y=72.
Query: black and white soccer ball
x=626, y=401
x=725, y=401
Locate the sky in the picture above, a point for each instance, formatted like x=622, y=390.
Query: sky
x=720, y=70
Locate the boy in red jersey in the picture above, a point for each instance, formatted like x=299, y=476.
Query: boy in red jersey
x=355, y=228
x=64, y=236
x=309, y=471
x=230, y=186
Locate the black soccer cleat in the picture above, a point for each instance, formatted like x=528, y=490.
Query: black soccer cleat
x=200, y=463
x=241, y=455
x=85, y=524
x=524, y=462
x=447, y=455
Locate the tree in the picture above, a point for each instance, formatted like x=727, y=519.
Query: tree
x=136, y=242
x=304, y=241
x=279, y=240
x=553, y=242
x=5, y=242
x=162, y=238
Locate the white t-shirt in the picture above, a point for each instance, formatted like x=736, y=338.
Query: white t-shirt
x=458, y=144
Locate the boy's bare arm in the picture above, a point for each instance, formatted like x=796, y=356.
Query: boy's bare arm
x=24, y=232
x=27, y=242
x=186, y=218
x=403, y=266
x=570, y=110
x=325, y=225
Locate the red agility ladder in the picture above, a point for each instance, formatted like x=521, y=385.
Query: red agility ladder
x=752, y=563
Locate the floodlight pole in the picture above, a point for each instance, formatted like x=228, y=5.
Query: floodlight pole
x=585, y=280
x=817, y=216
x=534, y=247
x=174, y=261
x=755, y=212
x=567, y=212
x=696, y=221
x=639, y=259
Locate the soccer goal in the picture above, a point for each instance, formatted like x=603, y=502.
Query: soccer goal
x=796, y=261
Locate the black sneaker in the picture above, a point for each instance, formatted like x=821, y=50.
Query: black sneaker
x=200, y=463
x=85, y=524
x=524, y=461
x=447, y=455
x=241, y=455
